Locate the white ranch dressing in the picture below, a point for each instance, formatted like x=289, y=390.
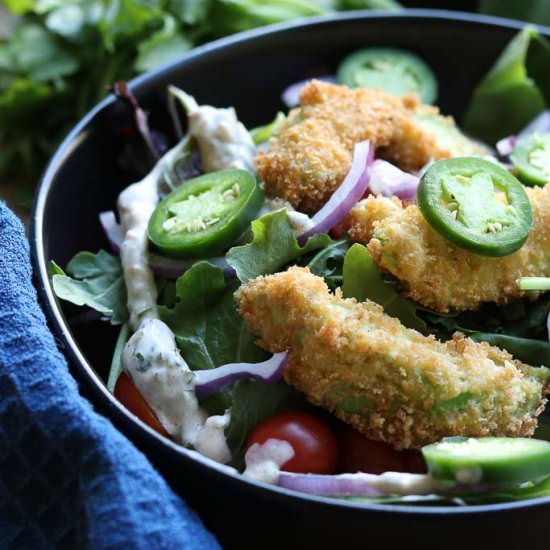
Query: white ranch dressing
x=135, y=205
x=151, y=357
x=223, y=141
x=162, y=376
x=299, y=221
x=263, y=462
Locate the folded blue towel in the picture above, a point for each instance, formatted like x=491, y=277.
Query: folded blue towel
x=67, y=477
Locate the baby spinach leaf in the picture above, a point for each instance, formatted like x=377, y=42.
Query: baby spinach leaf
x=94, y=280
x=273, y=246
x=208, y=329
x=363, y=281
x=514, y=91
x=530, y=351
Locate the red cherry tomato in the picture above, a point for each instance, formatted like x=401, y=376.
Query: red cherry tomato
x=337, y=231
x=360, y=454
x=129, y=396
x=314, y=444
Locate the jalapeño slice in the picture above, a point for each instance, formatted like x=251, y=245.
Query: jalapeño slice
x=476, y=205
x=205, y=215
x=488, y=459
x=531, y=159
x=395, y=71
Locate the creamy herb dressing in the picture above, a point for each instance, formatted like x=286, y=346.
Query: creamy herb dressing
x=135, y=205
x=299, y=221
x=151, y=357
x=223, y=141
x=162, y=376
x=263, y=462
x=211, y=440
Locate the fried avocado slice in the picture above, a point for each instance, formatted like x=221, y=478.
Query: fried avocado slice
x=391, y=383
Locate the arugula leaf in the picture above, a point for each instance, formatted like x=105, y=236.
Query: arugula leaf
x=94, y=280
x=329, y=261
x=363, y=281
x=514, y=91
x=273, y=246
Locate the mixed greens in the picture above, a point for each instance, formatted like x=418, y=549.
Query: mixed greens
x=217, y=239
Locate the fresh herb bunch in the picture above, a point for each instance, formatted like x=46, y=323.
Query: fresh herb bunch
x=59, y=56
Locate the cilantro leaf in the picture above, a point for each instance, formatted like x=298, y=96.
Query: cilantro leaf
x=273, y=246
x=363, y=281
x=94, y=280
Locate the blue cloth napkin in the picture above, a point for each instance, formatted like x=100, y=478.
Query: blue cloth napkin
x=67, y=477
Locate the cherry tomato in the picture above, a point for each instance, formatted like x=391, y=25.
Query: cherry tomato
x=360, y=454
x=314, y=444
x=337, y=231
x=129, y=396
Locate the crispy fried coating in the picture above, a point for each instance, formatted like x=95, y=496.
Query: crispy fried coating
x=311, y=153
x=389, y=382
x=438, y=274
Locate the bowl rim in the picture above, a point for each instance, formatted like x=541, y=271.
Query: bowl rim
x=85, y=371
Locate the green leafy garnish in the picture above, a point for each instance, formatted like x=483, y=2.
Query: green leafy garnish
x=59, y=56
x=363, y=281
x=514, y=91
x=273, y=246
x=93, y=280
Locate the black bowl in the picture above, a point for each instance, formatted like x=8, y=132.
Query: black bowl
x=249, y=71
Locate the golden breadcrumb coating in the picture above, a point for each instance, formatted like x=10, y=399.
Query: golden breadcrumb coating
x=438, y=274
x=389, y=382
x=311, y=153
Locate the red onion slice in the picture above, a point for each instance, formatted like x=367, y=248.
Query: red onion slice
x=389, y=180
x=506, y=145
x=326, y=485
x=350, y=191
x=365, y=485
x=291, y=95
x=212, y=380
